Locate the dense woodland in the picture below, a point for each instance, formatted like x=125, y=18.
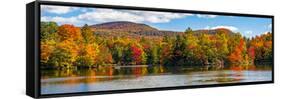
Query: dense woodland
x=68, y=46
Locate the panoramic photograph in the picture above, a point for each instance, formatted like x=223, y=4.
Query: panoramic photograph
x=86, y=49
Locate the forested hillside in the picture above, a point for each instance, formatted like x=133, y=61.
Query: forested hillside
x=127, y=43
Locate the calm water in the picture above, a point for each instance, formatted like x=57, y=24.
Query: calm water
x=134, y=77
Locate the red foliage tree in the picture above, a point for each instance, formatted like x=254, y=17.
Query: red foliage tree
x=136, y=54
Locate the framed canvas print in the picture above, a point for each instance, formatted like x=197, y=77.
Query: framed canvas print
x=82, y=49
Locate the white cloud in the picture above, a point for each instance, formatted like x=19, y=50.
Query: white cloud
x=57, y=9
x=61, y=20
x=206, y=16
x=232, y=28
x=84, y=10
x=249, y=33
x=269, y=26
x=266, y=32
x=107, y=15
x=207, y=28
x=94, y=16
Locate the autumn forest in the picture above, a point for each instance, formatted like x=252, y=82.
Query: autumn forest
x=67, y=46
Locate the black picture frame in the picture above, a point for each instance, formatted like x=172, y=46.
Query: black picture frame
x=33, y=48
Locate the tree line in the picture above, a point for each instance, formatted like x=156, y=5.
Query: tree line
x=68, y=46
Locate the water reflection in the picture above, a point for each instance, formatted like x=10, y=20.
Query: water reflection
x=131, y=77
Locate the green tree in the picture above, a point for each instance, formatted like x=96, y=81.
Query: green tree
x=179, y=47
x=188, y=31
x=47, y=28
x=118, y=51
x=88, y=55
x=87, y=34
x=207, y=46
x=222, y=46
x=153, y=55
x=104, y=56
x=64, y=55
x=192, y=47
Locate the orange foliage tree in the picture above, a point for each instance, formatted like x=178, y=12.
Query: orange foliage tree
x=69, y=32
x=64, y=54
x=237, y=56
x=87, y=55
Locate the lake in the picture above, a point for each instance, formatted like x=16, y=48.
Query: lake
x=141, y=76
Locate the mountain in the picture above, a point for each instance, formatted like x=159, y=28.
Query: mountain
x=120, y=28
x=214, y=31
x=125, y=28
x=124, y=25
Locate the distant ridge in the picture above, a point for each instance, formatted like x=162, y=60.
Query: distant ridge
x=120, y=28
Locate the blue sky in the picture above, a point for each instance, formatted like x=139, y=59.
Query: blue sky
x=247, y=26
